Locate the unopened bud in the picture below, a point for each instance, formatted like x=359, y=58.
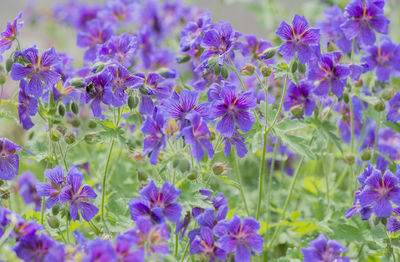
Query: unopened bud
x=98, y=67
x=183, y=58
x=184, y=165
x=55, y=135
x=268, y=54
x=224, y=72
x=9, y=64
x=55, y=210
x=70, y=138
x=297, y=110
x=247, y=70
x=359, y=83
x=133, y=101
x=142, y=176
x=74, y=108
x=346, y=97
x=53, y=222
x=266, y=71
x=89, y=138
x=217, y=70
x=61, y=110
x=366, y=155
x=380, y=106
x=75, y=122
x=211, y=62
x=349, y=159
x=4, y=193
x=220, y=169
x=192, y=176
x=77, y=82
x=387, y=94
x=92, y=124
x=293, y=66
x=302, y=68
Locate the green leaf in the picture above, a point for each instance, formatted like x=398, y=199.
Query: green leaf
x=109, y=132
x=327, y=130
x=281, y=70
x=348, y=233
x=296, y=143
x=7, y=115
x=288, y=124
x=393, y=126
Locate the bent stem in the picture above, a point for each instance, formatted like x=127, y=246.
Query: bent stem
x=289, y=197
x=236, y=165
x=105, y=179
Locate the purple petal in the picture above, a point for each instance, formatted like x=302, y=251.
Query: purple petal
x=244, y=120
x=88, y=210
x=19, y=72
x=287, y=50
x=35, y=86
x=382, y=208
x=243, y=253
x=284, y=31
x=226, y=126
x=173, y=212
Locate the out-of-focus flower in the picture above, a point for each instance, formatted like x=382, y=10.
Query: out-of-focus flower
x=9, y=160
x=321, y=249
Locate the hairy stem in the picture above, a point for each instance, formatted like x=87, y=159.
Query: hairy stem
x=105, y=180
x=236, y=165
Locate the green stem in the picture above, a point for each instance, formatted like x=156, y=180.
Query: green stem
x=185, y=253
x=1, y=94
x=378, y=125
x=105, y=180
x=289, y=197
x=262, y=160
x=176, y=245
x=280, y=105
x=271, y=172
x=351, y=149
x=339, y=182
x=67, y=227
x=236, y=165
x=63, y=157
x=234, y=69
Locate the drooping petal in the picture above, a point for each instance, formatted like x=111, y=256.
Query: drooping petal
x=88, y=210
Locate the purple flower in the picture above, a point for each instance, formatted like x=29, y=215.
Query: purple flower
x=323, y=250
x=155, y=141
x=180, y=106
x=204, y=245
x=34, y=247
x=218, y=42
x=198, y=137
x=53, y=189
x=99, y=250
x=120, y=49
x=118, y=12
x=98, y=89
x=363, y=18
x=329, y=74
x=26, y=188
x=192, y=34
x=78, y=196
x=394, y=109
x=379, y=192
x=238, y=141
x=37, y=69
x=345, y=121
x=253, y=47
x=152, y=238
x=95, y=35
x=9, y=160
x=154, y=202
x=383, y=58
x=124, y=244
x=121, y=80
x=10, y=33
x=298, y=38
x=330, y=28
x=233, y=108
x=239, y=237
x=300, y=96
x=27, y=106
x=393, y=224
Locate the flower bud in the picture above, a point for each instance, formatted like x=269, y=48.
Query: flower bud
x=77, y=82
x=74, y=108
x=55, y=210
x=224, y=72
x=53, y=222
x=138, y=156
x=192, y=176
x=266, y=71
x=75, y=122
x=61, y=110
x=346, y=97
x=70, y=138
x=247, y=70
x=98, y=67
x=9, y=64
x=217, y=70
x=297, y=110
x=211, y=62
x=89, y=138
x=359, y=83
x=133, y=101
x=380, y=106
x=92, y=124
x=167, y=72
x=55, y=135
x=142, y=176
x=183, y=58
x=184, y=165
x=4, y=193
x=268, y=54
x=387, y=94
x=293, y=66
x=220, y=169
x=366, y=155
x=349, y=159
x=302, y=68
